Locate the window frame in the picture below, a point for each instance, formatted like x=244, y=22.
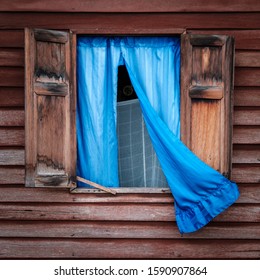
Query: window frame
x=74, y=33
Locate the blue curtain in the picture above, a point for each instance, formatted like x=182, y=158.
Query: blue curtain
x=97, y=155
x=200, y=193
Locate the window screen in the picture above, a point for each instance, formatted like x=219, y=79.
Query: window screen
x=138, y=163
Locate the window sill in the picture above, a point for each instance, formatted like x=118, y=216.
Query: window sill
x=123, y=190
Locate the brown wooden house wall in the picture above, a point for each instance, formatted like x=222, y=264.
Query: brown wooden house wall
x=50, y=223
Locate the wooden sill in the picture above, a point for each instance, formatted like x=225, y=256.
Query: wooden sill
x=123, y=190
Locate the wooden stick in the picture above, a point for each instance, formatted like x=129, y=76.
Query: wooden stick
x=95, y=185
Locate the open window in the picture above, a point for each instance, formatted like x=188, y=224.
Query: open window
x=206, y=90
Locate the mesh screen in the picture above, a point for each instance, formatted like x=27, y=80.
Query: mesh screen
x=138, y=163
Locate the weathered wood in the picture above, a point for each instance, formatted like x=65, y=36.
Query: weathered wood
x=11, y=157
x=246, y=154
x=247, y=77
x=130, y=6
x=11, y=117
x=250, y=193
x=129, y=249
x=246, y=135
x=246, y=174
x=12, y=38
x=123, y=230
x=62, y=195
x=130, y=22
x=244, y=39
x=115, y=212
x=50, y=114
x=246, y=96
x=11, y=175
x=247, y=59
x=246, y=116
x=11, y=57
x=11, y=97
x=206, y=89
x=11, y=77
x=11, y=137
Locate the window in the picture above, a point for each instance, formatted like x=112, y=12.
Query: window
x=206, y=86
x=138, y=163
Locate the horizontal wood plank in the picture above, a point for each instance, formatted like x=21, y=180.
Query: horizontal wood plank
x=11, y=57
x=130, y=249
x=23, y=194
x=11, y=117
x=118, y=212
x=12, y=76
x=249, y=193
x=246, y=154
x=11, y=137
x=246, y=96
x=246, y=116
x=247, y=77
x=11, y=175
x=130, y=6
x=11, y=97
x=247, y=59
x=12, y=38
x=12, y=157
x=246, y=174
x=246, y=135
x=130, y=22
x=124, y=230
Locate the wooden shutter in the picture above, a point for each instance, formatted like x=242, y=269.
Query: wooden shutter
x=206, y=98
x=50, y=108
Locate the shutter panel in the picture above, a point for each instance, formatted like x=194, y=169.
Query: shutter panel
x=206, y=98
x=50, y=108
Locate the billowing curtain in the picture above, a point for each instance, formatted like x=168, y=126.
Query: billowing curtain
x=200, y=193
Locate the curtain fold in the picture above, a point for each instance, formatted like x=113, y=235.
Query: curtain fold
x=153, y=63
x=97, y=151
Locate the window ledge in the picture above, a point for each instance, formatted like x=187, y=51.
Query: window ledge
x=124, y=190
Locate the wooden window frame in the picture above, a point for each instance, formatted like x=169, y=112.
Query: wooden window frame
x=121, y=32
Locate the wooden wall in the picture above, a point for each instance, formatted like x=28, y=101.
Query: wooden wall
x=49, y=223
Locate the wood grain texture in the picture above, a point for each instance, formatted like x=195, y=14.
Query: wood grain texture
x=247, y=96
x=133, y=249
x=246, y=154
x=11, y=137
x=207, y=66
x=11, y=97
x=50, y=115
x=11, y=157
x=11, y=57
x=250, y=193
x=12, y=38
x=130, y=6
x=248, y=116
x=131, y=22
x=117, y=212
x=124, y=230
x=11, y=77
x=245, y=39
x=13, y=117
x=246, y=135
x=246, y=174
x=247, y=77
x=247, y=59
x=11, y=175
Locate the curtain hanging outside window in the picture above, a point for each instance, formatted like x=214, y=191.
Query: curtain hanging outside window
x=153, y=63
